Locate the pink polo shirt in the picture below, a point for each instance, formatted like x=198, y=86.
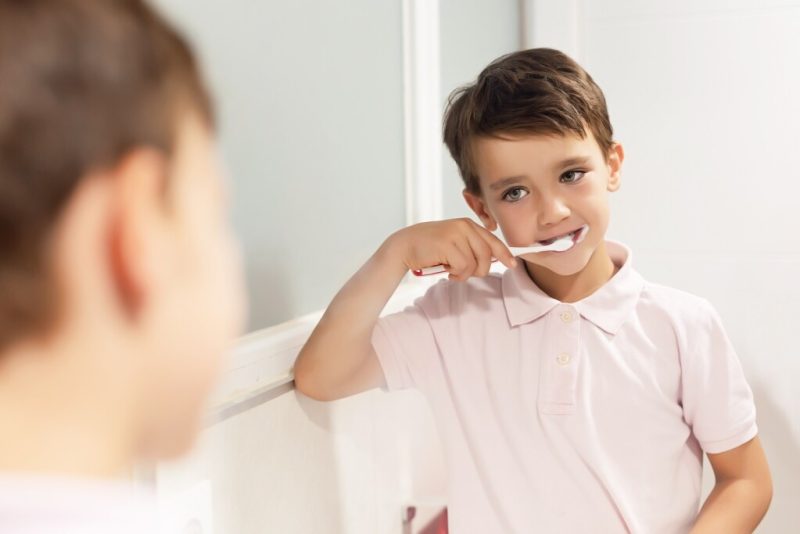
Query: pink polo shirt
x=571, y=418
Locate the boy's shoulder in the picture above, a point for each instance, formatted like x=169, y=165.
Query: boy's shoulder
x=679, y=305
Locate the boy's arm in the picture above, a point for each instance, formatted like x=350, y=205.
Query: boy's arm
x=338, y=359
x=742, y=492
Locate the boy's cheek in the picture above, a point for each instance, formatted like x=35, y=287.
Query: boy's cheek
x=518, y=233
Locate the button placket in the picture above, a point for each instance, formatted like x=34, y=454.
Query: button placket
x=560, y=361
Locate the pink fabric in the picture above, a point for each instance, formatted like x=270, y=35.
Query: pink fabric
x=582, y=417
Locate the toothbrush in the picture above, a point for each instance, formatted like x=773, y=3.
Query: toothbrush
x=561, y=244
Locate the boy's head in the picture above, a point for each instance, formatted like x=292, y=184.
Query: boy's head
x=534, y=146
x=117, y=258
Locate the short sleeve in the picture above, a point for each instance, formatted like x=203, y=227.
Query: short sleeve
x=406, y=346
x=717, y=401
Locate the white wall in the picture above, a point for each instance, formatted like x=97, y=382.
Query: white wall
x=703, y=95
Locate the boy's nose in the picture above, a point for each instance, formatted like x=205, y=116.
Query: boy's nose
x=552, y=211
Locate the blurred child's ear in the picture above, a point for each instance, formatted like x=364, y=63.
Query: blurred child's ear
x=616, y=155
x=478, y=205
x=140, y=253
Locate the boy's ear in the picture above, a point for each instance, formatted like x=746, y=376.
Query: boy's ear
x=478, y=205
x=138, y=246
x=615, y=158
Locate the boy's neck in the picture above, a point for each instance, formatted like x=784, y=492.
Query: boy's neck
x=53, y=421
x=578, y=286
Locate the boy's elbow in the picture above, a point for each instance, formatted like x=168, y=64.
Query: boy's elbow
x=765, y=487
x=328, y=377
x=307, y=383
x=760, y=494
x=761, y=498
x=766, y=493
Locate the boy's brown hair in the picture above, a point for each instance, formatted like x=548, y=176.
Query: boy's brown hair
x=537, y=91
x=82, y=82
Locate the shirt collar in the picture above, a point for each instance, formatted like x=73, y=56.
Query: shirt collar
x=608, y=307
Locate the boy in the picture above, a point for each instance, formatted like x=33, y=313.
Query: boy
x=120, y=283
x=571, y=394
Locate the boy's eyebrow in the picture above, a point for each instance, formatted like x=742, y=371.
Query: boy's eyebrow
x=569, y=162
x=499, y=184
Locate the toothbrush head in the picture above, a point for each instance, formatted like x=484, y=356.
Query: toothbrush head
x=565, y=243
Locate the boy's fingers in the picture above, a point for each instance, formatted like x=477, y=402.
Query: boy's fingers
x=482, y=252
x=470, y=262
x=457, y=261
x=498, y=248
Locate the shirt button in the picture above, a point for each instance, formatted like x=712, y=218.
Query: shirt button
x=563, y=358
x=566, y=316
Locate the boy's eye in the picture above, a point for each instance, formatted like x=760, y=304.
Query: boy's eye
x=571, y=177
x=514, y=194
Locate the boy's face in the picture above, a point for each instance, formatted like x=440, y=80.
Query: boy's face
x=196, y=301
x=536, y=188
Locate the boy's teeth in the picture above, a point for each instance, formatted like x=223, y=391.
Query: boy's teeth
x=554, y=239
x=575, y=236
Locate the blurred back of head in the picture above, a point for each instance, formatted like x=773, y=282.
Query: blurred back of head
x=81, y=83
x=117, y=260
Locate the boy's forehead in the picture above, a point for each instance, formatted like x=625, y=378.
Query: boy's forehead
x=502, y=156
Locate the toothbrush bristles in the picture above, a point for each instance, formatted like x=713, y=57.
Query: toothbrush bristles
x=562, y=245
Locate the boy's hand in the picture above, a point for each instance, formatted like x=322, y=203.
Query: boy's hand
x=465, y=248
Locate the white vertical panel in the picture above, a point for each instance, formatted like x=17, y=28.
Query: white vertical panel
x=423, y=151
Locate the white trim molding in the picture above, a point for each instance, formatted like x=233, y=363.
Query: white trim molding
x=260, y=367
x=422, y=110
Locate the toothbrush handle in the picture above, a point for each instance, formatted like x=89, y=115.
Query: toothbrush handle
x=428, y=271
x=516, y=251
x=436, y=269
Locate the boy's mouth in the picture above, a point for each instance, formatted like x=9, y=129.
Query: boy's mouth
x=575, y=235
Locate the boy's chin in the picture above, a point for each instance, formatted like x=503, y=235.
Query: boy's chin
x=560, y=265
